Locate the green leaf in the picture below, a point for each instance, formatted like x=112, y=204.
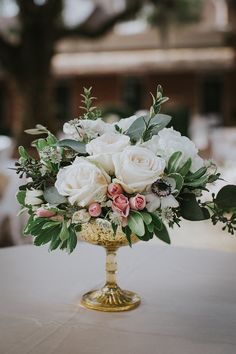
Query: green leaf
x=51, y=224
x=135, y=222
x=148, y=235
x=159, y=121
x=156, y=221
x=190, y=209
x=147, y=218
x=23, y=153
x=196, y=175
x=75, y=145
x=213, y=178
x=197, y=183
x=136, y=129
x=52, y=196
x=226, y=197
x=55, y=242
x=34, y=226
x=163, y=234
x=127, y=233
x=21, y=197
x=64, y=233
x=150, y=227
x=178, y=180
x=43, y=238
x=41, y=144
x=28, y=224
x=72, y=240
x=174, y=161
x=185, y=168
x=51, y=139
x=36, y=131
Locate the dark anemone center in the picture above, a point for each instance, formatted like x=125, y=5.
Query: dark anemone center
x=161, y=188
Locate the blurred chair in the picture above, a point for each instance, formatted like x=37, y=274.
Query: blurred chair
x=10, y=224
x=6, y=147
x=223, y=145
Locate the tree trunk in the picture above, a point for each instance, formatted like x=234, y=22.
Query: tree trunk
x=36, y=99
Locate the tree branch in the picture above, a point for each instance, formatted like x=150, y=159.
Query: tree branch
x=99, y=22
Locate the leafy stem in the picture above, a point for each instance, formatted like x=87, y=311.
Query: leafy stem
x=91, y=112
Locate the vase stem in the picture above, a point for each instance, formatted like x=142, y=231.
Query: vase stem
x=111, y=267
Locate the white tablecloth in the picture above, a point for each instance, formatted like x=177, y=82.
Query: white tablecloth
x=188, y=302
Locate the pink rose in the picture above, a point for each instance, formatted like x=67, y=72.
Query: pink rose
x=44, y=213
x=138, y=202
x=120, y=205
x=114, y=189
x=95, y=209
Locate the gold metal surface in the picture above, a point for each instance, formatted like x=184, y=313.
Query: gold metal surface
x=111, y=298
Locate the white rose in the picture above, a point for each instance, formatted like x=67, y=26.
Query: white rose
x=83, y=182
x=169, y=141
x=136, y=168
x=86, y=128
x=81, y=216
x=96, y=127
x=103, y=147
x=32, y=197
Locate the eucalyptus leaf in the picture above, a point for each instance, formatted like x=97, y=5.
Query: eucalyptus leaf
x=159, y=121
x=75, y=145
x=137, y=128
x=52, y=196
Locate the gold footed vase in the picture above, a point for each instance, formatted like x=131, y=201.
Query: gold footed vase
x=110, y=298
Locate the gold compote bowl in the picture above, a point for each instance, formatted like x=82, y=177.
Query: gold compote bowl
x=111, y=298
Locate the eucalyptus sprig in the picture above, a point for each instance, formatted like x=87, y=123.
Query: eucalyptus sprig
x=157, y=101
x=91, y=112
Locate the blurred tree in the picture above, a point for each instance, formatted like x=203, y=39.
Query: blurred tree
x=165, y=12
x=26, y=57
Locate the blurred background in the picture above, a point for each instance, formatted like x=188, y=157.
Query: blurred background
x=51, y=49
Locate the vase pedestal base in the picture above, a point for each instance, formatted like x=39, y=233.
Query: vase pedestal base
x=110, y=299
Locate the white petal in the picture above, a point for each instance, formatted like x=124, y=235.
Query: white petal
x=169, y=202
x=153, y=202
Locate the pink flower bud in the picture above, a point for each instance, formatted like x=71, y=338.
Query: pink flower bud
x=120, y=205
x=44, y=213
x=95, y=209
x=138, y=202
x=114, y=189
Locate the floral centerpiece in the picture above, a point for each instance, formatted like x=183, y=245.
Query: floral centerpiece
x=134, y=177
